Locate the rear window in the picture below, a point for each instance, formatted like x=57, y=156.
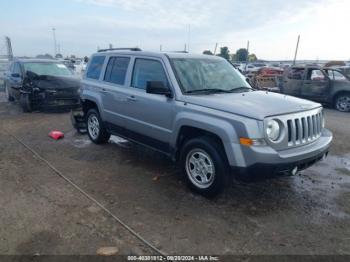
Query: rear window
x=116, y=70
x=95, y=67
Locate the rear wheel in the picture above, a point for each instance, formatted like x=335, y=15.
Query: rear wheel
x=342, y=102
x=25, y=103
x=8, y=96
x=204, y=164
x=96, y=130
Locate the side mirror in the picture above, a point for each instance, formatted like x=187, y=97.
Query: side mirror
x=15, y=75
x=158, y=87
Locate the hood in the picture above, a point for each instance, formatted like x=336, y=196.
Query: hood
x=256, y=104
x=57, y=82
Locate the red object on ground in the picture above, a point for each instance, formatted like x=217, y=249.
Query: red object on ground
x=56, y=135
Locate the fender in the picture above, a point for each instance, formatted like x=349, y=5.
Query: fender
x=223, y=129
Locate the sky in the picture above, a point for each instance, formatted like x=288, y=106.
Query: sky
x=271, y=26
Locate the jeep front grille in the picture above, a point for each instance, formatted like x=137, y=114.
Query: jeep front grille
x=304, y=129
x=297, y=129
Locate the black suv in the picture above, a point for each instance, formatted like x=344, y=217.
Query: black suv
x=42, y=84
x=324, y=85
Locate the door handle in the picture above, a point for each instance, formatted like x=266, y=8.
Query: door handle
x=103, y=90
x=131, y=98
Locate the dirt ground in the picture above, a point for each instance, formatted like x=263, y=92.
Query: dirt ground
x=42, y=213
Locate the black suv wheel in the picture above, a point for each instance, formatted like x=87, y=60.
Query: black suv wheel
x=204, y=165
x=25, y=103
x=96, y=130
x=342, y=102
x=8, y=96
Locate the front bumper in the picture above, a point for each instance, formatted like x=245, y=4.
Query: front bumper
x=266, y=162
x=58, y=101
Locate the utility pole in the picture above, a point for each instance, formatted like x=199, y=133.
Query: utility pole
x=54, y=41
x=296, y=50
x=216, y=46
x=246, y=62
x=188, y=38
x=9, y=48
x=160, y=48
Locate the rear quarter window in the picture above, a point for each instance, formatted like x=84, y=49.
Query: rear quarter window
x=296, y=73
x=95, y=67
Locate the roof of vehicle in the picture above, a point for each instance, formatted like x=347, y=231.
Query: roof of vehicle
x=305, y=66
x=156, y=54
x=37, y=60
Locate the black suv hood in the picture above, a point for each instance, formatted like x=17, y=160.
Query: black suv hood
x=56, y=82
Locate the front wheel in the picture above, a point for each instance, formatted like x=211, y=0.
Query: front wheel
x=96, y=130
x=25, y=102
x=8, y=96
x=204, y=164
x=342, y=102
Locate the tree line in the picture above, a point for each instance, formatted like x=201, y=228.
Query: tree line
x=241, y=55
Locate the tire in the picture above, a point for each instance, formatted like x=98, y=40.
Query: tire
x=8, y=96
x=342, y=102
x=25, y=103
x=201, y=155
x=95, y=128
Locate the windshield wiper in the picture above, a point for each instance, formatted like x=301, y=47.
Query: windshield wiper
x=209, y=90
x=237, y=89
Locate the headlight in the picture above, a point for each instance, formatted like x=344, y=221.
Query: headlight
x=273, y=130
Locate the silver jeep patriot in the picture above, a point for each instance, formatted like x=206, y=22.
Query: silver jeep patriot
x=200, y=111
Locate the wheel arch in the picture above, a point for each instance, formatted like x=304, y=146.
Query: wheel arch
x=88, y=104
x=192, y=129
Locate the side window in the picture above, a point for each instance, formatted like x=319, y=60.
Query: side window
x=147, y=70
x=315, y=75
x=116, y=70
x=296, y=73
x=95, y=67
x=338, y=76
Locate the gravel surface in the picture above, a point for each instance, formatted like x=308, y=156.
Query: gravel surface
x=41, y=213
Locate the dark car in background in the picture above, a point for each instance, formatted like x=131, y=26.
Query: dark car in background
x=42, y=84
x=325, y=85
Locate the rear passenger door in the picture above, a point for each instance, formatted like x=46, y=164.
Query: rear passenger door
x=115, y=93
x=293, y=81
x=150, y=116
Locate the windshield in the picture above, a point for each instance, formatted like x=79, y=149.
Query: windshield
x=196, y=74
x=52, y=69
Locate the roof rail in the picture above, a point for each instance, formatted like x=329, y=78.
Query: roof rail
x=123, y=48
x=183, y=52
